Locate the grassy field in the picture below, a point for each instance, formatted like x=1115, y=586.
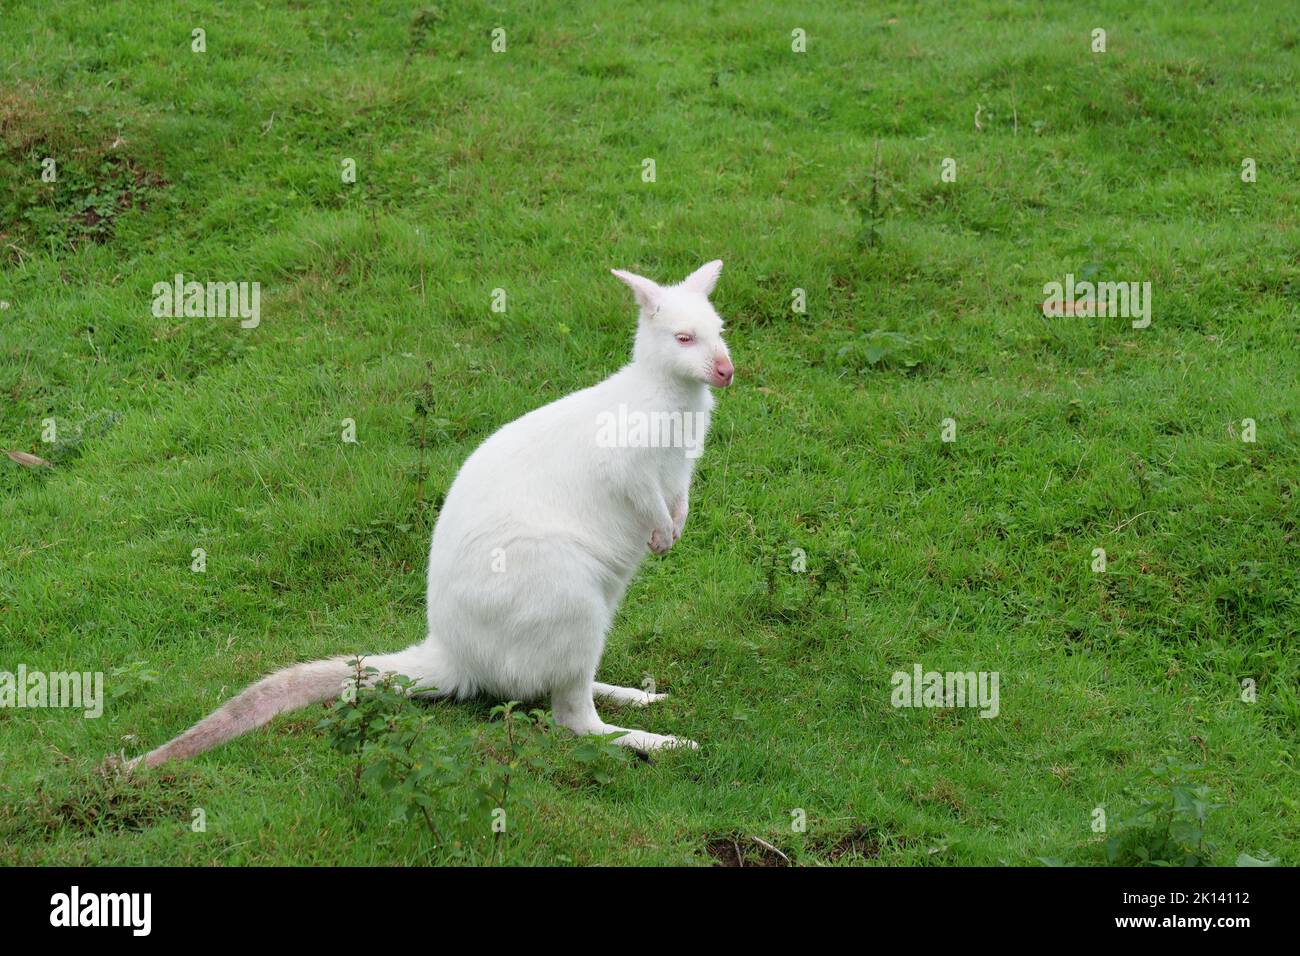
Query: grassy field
x=523, y=170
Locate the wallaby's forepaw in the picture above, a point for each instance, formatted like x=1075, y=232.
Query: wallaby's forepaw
x=645, y=741
x=679, y=519
x=661, y=540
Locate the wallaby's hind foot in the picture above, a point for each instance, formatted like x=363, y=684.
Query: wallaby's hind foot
x=625, y=696
x=575, y=709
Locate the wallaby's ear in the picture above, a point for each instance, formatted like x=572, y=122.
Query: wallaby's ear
x=647, y=291
x=703, y=279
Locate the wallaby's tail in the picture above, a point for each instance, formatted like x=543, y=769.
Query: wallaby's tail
x=290, y=689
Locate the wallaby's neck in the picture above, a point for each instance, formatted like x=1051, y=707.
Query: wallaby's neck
x=676, y=393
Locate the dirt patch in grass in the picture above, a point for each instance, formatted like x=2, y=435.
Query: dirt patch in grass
x=99, y=799
x=64, y=178
x=862, y=843
x=737, y=850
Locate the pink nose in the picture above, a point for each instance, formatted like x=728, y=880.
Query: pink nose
x=723, y=371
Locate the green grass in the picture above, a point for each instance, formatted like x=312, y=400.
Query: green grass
x=522, y=170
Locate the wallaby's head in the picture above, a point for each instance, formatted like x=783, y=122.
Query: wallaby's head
x=679, y=333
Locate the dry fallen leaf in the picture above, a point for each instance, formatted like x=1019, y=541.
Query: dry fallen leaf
x=29, y=461
x=1055, y=308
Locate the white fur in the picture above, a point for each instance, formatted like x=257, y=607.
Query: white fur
x=539, y=536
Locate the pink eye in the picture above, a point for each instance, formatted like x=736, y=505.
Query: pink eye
x=685, y=338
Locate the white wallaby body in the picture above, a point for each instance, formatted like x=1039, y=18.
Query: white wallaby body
x=540, y=534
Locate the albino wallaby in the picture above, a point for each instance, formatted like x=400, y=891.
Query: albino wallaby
x=540, y=534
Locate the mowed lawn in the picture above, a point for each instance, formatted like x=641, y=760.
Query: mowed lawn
x=524, y=170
